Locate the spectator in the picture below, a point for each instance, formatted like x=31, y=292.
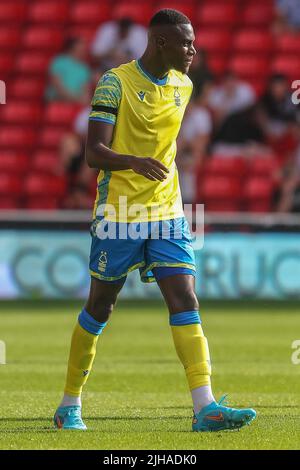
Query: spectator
x=192, y=144
x=231, y=96
x=80, y=176
x=200, y=72
x=81, y=122
x=277, y=106
x=241, y=133
x=117, y=42
x=69, y=74
x=287, y=16
x=288, y=195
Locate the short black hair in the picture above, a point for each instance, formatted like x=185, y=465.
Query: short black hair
x=168, y=16
x=70, y=43
x=277, y=77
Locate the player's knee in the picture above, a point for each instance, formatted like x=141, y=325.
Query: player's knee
x=103, y=313
x=102, y=299
x=100, y=305
x=190, y=301
x=185, y=301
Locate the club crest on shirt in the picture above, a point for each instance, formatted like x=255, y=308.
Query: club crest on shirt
x=177, y=96
x=102, y=261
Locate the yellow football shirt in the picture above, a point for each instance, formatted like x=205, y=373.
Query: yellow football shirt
x=146, y=113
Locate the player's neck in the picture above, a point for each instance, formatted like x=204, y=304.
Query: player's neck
x=152, y=65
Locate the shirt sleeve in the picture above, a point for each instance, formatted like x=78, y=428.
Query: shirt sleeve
x=106, y=99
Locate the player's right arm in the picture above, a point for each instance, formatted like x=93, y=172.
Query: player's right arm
x=102, y=119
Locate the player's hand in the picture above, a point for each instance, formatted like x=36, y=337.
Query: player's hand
x=150, y=168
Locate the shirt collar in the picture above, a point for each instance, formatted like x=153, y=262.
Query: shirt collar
x=157, y=81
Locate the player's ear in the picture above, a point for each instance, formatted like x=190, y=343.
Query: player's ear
x=160, y=42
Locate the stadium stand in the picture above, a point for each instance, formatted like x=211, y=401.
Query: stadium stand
x=49, y=12
x=224, y=14
x=258, y=193
x=9, y=38
x=29, y=89
x=90, y=13
x=31, y=63
x=236, y=36
x=45, y=162
x=257, y=14
x=13, y=12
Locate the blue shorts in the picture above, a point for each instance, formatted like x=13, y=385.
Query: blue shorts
x=119, y=248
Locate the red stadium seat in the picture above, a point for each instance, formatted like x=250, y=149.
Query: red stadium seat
x=37, y=184
x=221, y=188
x=90, y=12
x=26, y=88
x=49, y=11
x=258, y=194
x=218, y=14
x=32, y=63
x=42, y=202
x=187, y=7
x=43, y=38
x=263, y=206
x=17, y=137
x=93, y=186
x=257, y=13
x=288, y=43
x=140, y=12
x=50, y=137
x=6, y=64
x=16, y=112
x=213, y=40
x=13, y=11
x=61, y=113
x=247, y=66
x=217, y=63
x=258, y=84
x=9, y=202
x=288, y=65
x=251, y=40
x=10, y=184
x=262, y=166
x=222, y=206
x=225, y=166
x=13, y=162
x=9, y=37
x=20, y=113
x=86, y=33
x=45, y=162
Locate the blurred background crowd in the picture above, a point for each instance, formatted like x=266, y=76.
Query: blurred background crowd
x=239, y=146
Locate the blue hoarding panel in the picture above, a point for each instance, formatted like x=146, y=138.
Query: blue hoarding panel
x=231, y=265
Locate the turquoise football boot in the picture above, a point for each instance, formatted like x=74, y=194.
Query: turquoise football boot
x=216, y=417
x=69, y=417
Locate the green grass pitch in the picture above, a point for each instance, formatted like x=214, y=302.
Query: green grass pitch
x=137, y=396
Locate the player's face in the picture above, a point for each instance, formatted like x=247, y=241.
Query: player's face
x=179, y=48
